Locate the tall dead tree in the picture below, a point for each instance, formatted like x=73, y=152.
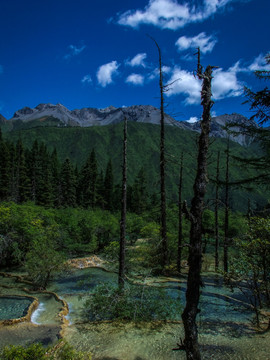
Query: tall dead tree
x=226, y=221
x=194, y=282
x=163, y=221
x=216, y=214
x=180, y=217
x=122, y=253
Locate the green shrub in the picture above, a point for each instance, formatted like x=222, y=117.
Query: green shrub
x=61, y=351
x=137, y=303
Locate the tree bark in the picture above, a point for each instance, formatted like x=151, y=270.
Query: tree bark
x=163, y=213
x=216, y=215
x=226, y=221
x=195, y=215
x=122, y=253
x=180, y=216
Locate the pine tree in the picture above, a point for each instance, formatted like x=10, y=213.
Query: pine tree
x=108, y=187
x=34, y=170
x=22, y=182
x=55, y=173
x=87, y=189
x=5, y=171
x=139, y=194
x=67, y=185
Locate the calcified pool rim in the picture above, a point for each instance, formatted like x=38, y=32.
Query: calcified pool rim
x=31, y=308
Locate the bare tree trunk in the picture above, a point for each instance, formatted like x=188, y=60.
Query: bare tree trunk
x=216, y=216
x=194, y=282
x=163, y=227
x=180, y=215
x=226, y=221
x=122, y=253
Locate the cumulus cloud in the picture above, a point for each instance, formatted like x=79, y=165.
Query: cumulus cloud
x=138, y=60
x=105, y=73
x=184, y=82
x=87, y=79
x=74, y=51
x=135, y=79
x=204, y=42
x=169, y=14
x=225, y=84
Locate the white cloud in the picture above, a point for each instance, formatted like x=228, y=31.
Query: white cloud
x=87, y=79
x=225, y=84
x=105, y=73
x=259, y=64
x=74, y=51
x=204, y=42
x=135, y=79
x=184, y=82
x=193, y=119
x=138, y=60
x=155, y=72
x=169, y=14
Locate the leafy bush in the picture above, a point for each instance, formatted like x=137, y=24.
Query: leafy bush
x=61, y=351
x=137, y=303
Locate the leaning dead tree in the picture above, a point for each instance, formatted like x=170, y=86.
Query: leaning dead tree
x=194, y=282
x=122, y=253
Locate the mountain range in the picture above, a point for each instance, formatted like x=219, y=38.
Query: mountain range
x=75, y=133
x=59, y=115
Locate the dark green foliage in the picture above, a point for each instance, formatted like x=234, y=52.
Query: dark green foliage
x=67, y=185
x=22, y=182
x=108, y=187
x=5, y=171
x=137, y=303
x=87, y=185
x=138, y=195
x=143, y=152
x=61, y=351
x=250, y=266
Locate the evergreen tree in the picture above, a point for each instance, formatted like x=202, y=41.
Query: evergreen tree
x=45, y=188
x=87, y=189
x=34, y=170
x=55, y=173
x=5, y=170
x=67, y=185
x=100, y=190
x=108, y=187
x=139, y=193
x=22, y=182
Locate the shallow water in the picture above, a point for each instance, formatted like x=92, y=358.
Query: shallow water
x=224, y=322
x=14, y=307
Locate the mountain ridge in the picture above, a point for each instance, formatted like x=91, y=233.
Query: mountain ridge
x=58, y=115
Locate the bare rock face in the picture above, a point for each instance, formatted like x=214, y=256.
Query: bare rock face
x=137, y=113
x=220, y=122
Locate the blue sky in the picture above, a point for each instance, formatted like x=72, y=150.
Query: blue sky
x=96, y=53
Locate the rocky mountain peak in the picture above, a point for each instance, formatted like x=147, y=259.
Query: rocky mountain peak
x=86, y=117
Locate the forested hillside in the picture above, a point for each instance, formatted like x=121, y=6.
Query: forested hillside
x=76, y=144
